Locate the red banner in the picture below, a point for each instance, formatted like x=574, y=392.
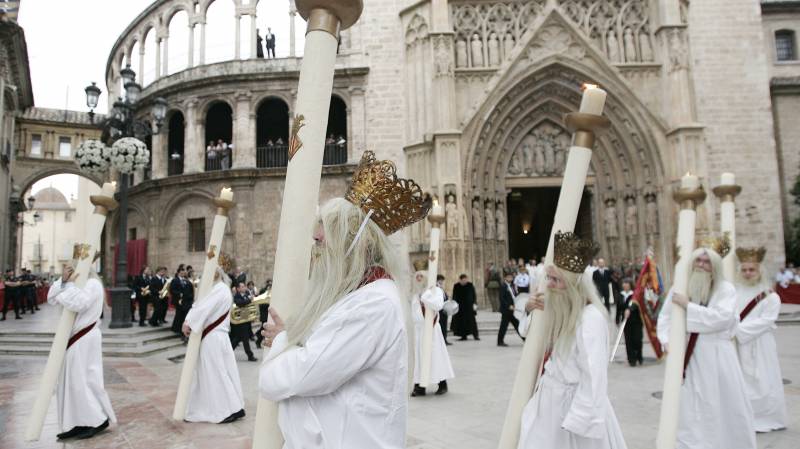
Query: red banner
x=648, y=277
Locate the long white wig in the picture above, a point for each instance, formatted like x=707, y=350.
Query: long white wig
x=334, y=273
x=564, y=308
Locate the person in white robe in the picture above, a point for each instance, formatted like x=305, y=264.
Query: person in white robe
x=758, y=308
x=339, y=367
x=570, y=408
x=215, y=395
x=441, y=369
x=83, y=406
x=714, y=411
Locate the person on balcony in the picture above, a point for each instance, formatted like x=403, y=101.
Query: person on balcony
x=259, y=44
x=211, y=154
x=270, y=43
x=222, y=151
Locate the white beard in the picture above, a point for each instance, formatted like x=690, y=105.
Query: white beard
x=699, y=287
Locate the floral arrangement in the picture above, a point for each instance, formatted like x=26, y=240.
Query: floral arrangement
x=129, y=154
x=92, y=156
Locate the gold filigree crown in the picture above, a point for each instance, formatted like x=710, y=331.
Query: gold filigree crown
x=752, y=255
x=225, y=262
x=720, y=245
x=573, y=253
x=421, y=265
x=395, y=202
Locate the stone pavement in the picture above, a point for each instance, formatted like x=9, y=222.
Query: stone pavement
x=142, y=391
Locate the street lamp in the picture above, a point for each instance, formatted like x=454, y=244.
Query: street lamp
x=92, y=96
x=122, y=125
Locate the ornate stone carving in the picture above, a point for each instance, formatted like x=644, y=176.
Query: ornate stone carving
x=678, y=50
x=443, y=56
x=613, y=47
x=494, y=50
x=554, y=39
x=630, y=48
x=542, y=152
x=477, y=219
x=461, y=54
x=502, y=228
x=491, y=230
x=631, y=216
x=610, y=218
x=477, y=51
x=453, y=219
x=651, y=213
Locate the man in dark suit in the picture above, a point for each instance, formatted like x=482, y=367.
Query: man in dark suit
x=159, y=305
x=442, y=314
x=270, y=40
x=601, y=278
x=182, y=293
x=507, y=294
x=144, y=293
x=241, y=333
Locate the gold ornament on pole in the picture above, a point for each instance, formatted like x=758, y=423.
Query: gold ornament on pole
x=584, y=125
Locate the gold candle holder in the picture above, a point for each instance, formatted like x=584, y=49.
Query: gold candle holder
x=223, y=206
x=584, y=127
x=727, y=192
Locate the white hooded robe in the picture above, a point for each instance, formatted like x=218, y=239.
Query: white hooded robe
x=441, y=369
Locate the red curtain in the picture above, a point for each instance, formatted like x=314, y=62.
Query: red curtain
x=790, y=294
x=137, y=258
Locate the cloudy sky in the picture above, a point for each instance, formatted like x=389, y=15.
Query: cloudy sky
x=69, y=44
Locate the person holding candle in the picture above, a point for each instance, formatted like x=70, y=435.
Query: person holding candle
x=714, y=411
x=338, y=369
x=216, y=392
x=84, y=409
x=758, y=307
x=570, y=408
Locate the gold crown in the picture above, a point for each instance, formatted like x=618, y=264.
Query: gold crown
x=421, y=265
x=395, y=202
x=720, y=245
x=225, y=262
x=572, y=253
x=754, y=255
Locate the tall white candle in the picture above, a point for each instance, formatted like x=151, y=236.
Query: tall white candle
x=593, y=100
x=426, y=347
x=727, y=224
x=728, y=179
x=690, y=181
x=226, y=194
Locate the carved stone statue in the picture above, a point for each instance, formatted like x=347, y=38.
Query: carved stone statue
x=630, y=47
x=644, y=45
x=651, y=214
x=477, y=51
x=508, y=45
x=528, y=158
x=502, y=229
x=515, y=166
x=549, y=145
x=452, y=218
x=538, y=152
x=494, y=50
x=561, y=154
x=477, y=219
x=631, y=217
x=491, y=230
x=678, y=56
x=610, y=219
x=461, y=53
x=613, y=47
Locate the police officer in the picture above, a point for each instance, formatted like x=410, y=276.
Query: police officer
x=12, y=287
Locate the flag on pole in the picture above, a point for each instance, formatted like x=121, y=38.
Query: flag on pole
x=649, y=295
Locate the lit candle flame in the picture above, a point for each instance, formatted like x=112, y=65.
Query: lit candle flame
x=435, y=202
x=585, y=86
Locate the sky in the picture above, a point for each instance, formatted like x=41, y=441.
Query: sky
x=69, y=44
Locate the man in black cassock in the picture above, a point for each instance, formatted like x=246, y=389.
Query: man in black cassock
x=633, y=327
x=259, y=44
x=601, y=278
x=464, y=323
x=241, y=333
x=182, y=293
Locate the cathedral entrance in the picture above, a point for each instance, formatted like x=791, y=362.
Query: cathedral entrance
x=530, y=220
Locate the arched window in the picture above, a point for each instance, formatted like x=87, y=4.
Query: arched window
x=219, y=132
x=272, y=133
x=336, y=140
x=785, y=45
x=175, y=144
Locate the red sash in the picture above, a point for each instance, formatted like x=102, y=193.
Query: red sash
x=689, y=349
x=752, y=304
x=373, y=274
x=79, y=334
x=435, y=317
x=214, y=324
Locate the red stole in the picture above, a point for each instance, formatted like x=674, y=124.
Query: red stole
x=216, y=323
x=79, y=334
x=752, y=304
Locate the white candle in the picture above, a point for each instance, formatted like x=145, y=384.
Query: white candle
x=593, y=101
x=108, y=189
x=226, y=194
x=690, y=182
x=728, y=179
x=437, y=210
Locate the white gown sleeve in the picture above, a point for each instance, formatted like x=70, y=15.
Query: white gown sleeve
x=71, y=297
x=755, y=325
x=664, y=319
x=433, y=298
x=336, y=351
x=715, y=317
x=587, y=413
x=199, y=313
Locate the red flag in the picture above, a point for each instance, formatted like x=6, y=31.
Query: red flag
x=648, y=277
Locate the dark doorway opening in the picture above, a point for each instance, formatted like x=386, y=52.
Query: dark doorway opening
x=530, y=220
x=175, y=138
x=219, y=130
x=272, y=133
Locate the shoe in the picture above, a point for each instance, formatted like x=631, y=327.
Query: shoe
x=17, y=317
x=142, y=325
x=91, y=431
x=233, y=417
x=477, y=339
x=3, y=319
x=418, y=391
x=250, y=358
x=462, y=339
x=72, y=432
x=502, y=344
x=447, y=343
x=37, y=308
x=442, y=388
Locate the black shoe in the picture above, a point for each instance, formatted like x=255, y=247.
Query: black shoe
x=250, y=358
x=502, y=344
x=233, y=417
x=477, y=339
x=37, y=308
x=442, y=388
x=91, y=431
x=462, y=339
x=447, y=343
x=72, y=432
x=418, y=391
x=142, y=325
x=17, y=317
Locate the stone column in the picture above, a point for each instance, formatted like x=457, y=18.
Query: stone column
x=238, y=48
x=202, y=55
x=292, y=14
x=357, y=124
x=253, y=53
x=160, y=156
x=190, y=63
x=141, y=63
x=244, y=151
x=158, y=59
x=193, y=149
x=165, y=64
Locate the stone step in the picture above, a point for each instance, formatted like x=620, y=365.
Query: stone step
x=139, y=351
x=108, y=342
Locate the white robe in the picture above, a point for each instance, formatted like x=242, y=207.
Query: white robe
x=81, y=394
x=441, y=369
x=570, y=408
x=758, y=356
x=347, y=386
x=216, y=390
x=714, y=411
